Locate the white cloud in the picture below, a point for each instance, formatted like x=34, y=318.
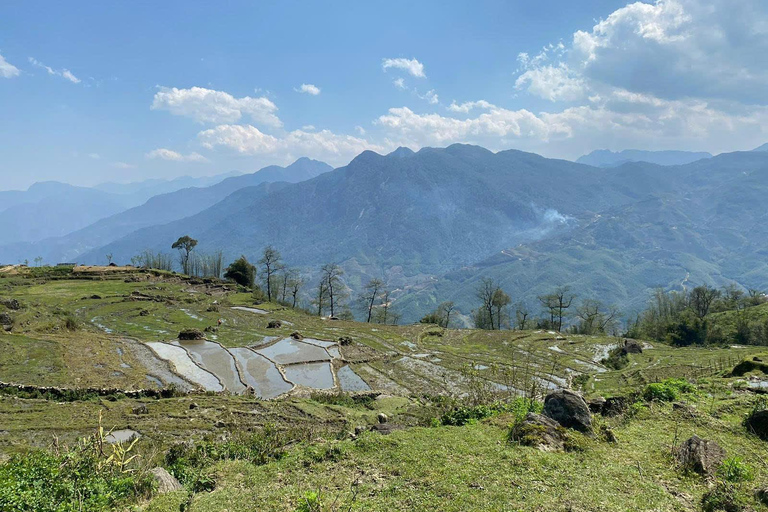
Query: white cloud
x=400, y=83
x=168, y=154
x=249, y=140
x=555, y=83
x=94, y=156
x=465, y=107
x=412, y=66
x=64, y=73
x=210, y=106
x=8, y=70
x=360, y=130
x=310, y=89
x=431, y=97
x=670, y=49
x=123, y=165
x=621, y=120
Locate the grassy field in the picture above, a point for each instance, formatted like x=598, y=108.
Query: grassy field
x=90, y=331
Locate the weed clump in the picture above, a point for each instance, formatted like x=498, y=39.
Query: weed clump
x=89, y=476
x=667, y=390
x=460, y=416
x=724, y=497
x=189, y=462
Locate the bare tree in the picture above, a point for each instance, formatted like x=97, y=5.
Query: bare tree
x=369, y=295
x=446, y=308
x=595, y=317
x=557, y=304
x=484, y=317
x=521, y=316
x=272, y=263
x=295, y=284
x=331, y=274
x=321, y=296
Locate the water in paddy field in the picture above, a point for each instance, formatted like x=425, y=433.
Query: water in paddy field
x=260, y=373
x=288, y=351
x=214, y=358
x=319, y=343
x=250, y=310
x=121, y=436
x=350, y=381
x=311, y=375
x=185, y=366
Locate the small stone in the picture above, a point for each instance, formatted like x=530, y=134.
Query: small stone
x=219, y=424
x=297, y=335
x=274, y=324
x=383, y=418
x=140, y=409
x=193, y=405
x=166, y=482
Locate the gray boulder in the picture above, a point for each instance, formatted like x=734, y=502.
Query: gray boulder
x=166, y=482
x=757, y=423
x=700, y=455
x=569, y=409
x=540, y=432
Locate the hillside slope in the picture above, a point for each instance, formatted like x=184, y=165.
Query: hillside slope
x=158, y=210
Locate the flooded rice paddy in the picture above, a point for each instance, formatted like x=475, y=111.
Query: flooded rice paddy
x=268, y=371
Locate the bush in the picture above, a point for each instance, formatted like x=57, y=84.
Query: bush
x=189, y=462
x=617, y=359
x=310, y=503
x=78, y=479
x=734, y=469
x=724, y=497
x=667, y=390
x=460, y=416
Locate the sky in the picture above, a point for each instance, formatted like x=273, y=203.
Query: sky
x=95, y=91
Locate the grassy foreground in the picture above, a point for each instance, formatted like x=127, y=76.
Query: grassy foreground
x=312, y=451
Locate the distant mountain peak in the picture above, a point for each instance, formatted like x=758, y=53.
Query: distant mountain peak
x=608, y=158
x=402, y=152
x=764, y=147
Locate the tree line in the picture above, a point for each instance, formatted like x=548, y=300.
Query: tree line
x=704, y=316
x=271, y=279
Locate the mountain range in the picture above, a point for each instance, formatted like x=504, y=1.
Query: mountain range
x=433, y=223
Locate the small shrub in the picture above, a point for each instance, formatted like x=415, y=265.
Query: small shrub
x=667, y=390
x=617, y=359
x=309, y=503
x=460, y=416
x=726, y=497
x=189, y=462
x=734, y=469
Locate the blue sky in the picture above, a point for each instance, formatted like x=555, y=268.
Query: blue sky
x=119, y=91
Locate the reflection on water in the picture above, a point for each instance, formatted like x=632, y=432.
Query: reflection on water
x=313, y=375
x=260, y=373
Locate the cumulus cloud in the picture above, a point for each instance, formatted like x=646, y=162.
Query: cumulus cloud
x=210, y=106
x=622, y=119
x=555, y=83
x=670, y=49
x=64, y=73
x=310, y=89
x=400, y=83
x=174, y=156
x=467, y=106
x=8, y=70
x=249, y=140
x=412, y=66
